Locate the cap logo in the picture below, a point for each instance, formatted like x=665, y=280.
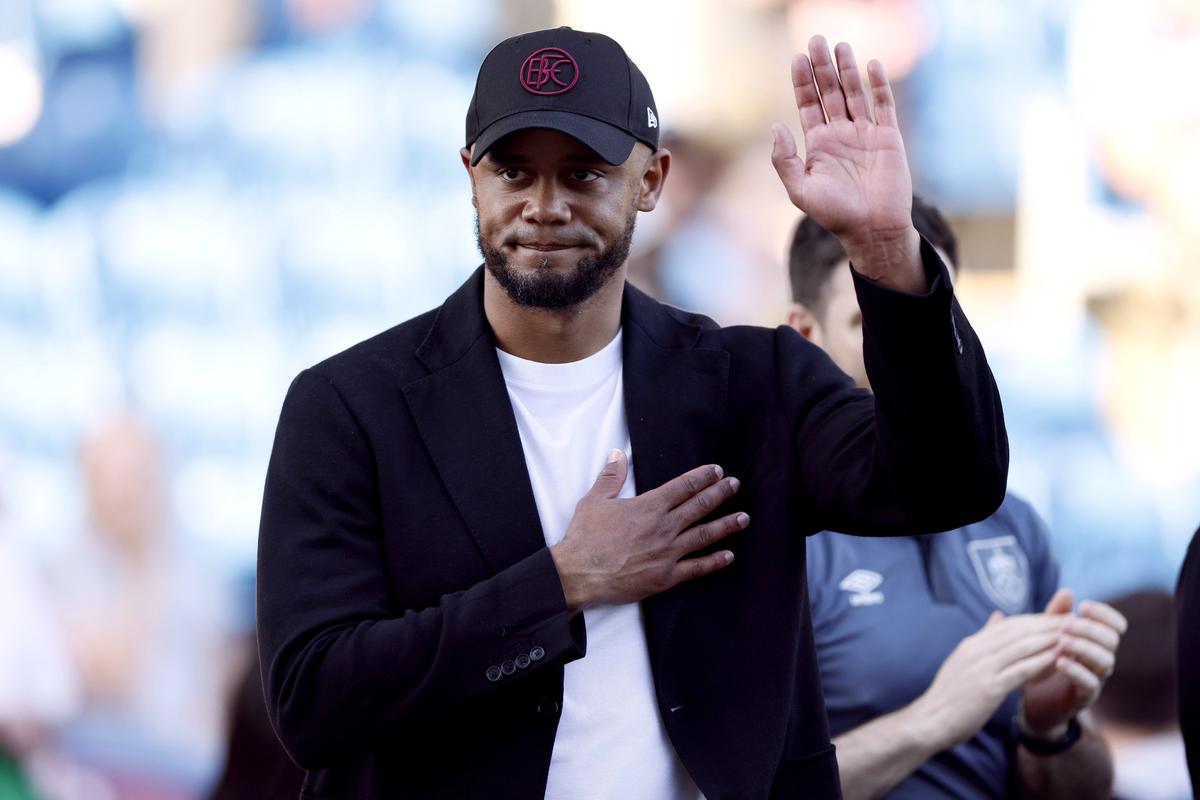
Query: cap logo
x=550, y=70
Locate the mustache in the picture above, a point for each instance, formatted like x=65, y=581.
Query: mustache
x=546, y=239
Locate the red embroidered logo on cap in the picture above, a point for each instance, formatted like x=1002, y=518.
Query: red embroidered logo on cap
x=550, y=70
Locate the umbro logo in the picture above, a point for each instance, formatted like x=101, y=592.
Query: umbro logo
x=862, y=585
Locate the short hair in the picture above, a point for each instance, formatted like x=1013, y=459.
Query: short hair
x=1142, y=689
x=815, y=252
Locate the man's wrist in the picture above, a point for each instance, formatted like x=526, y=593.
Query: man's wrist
x=1053, y=733
x=1052, y=741
x=574, y=587
x=1043, y=730
x=927, y=722
x=892, y=258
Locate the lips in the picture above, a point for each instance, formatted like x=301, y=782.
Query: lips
x=545, y=248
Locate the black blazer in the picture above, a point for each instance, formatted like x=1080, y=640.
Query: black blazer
x=401, y=556
x=1187, y=610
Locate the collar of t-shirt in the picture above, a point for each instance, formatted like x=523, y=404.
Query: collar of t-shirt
x=581, y=375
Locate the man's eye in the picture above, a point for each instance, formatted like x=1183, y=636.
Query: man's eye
x=510, y=174
x=584, y=175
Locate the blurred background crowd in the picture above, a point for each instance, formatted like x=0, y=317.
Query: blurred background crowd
x=197, y=200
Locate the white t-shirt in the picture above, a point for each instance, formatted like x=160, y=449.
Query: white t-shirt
x=611, y=742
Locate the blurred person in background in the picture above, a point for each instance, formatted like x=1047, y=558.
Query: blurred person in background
x=1187, y=606
x=256, y=765
x=1138, y=714
x=687, y=254
x=695, y=167
x=147, y=624
x=38, y=688
x=996, y=673
x=434, y=531
x=38, y=685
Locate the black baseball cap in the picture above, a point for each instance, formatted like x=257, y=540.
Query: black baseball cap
x=579, y=83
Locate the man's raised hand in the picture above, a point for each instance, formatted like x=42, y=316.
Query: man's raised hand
x=622, y=550
x=854, y=179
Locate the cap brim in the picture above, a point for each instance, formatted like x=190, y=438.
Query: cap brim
x=611, y=144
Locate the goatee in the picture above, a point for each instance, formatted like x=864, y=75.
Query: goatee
x=551, y=289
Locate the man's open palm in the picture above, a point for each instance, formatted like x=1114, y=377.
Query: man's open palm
x=854, y=179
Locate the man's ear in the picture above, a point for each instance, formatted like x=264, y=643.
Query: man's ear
x=466, y=159
x=801, y=319
x=654, y=175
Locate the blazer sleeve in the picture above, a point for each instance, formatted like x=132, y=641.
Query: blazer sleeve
x=342, y=667
x=928, y=451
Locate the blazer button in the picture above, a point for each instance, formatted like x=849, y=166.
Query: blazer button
x=523, y=661
x=508, y=668
x=537, y=654
x=493, y=674
x=548, y=707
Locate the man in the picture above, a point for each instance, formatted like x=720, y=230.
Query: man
x=1187, y=608
x=923, y=641
x=1138, y=712
x=452, y=603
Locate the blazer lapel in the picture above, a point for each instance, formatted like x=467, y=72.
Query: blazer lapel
x=466, y=421
x=675, y=396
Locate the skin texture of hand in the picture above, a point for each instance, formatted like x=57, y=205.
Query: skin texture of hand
x=854, y=179
x=622, y=550
x=985, y=668
x=1088, y=647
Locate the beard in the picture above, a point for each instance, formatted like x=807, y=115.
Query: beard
x=551, y=289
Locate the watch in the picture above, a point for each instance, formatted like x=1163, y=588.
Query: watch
x=1048, y=747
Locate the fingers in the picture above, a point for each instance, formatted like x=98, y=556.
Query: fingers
x=828, y=91
x=1092, y=639
x=703, y=503
x=677, y=490
x=1022, y=671
x=702, y=536
x=612, y=477
x=994, y=636
x=1097, y=632
x=1081, y=676
x=1100, y=660
x=852, y=85
x=808, y=99
x=788, y=164
x=783, y=145
x=689, y=569
x=1061, y=603
x=1104, y=614
x=826, y=77
x=1024, y=647
x=881, y=95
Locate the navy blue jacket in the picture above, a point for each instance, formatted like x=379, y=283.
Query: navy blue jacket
x=401, y=555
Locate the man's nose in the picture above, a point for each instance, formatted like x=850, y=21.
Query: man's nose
x=546, y=204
